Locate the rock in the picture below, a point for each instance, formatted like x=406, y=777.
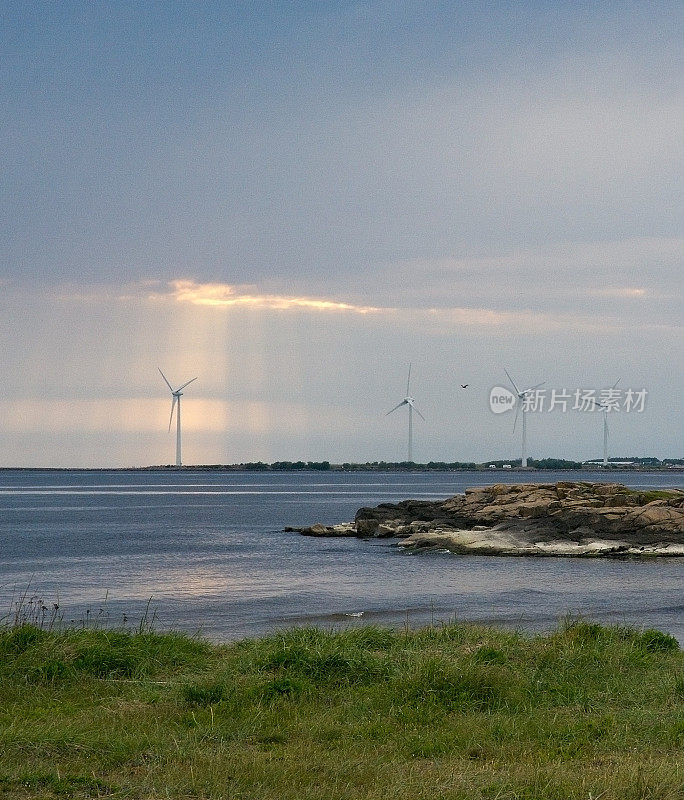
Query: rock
x=344, y=529
x=384, y=530
x=566, y=518
x=366, y=527
x=317, y=530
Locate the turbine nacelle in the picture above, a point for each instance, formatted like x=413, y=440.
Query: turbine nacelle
x=407, y=401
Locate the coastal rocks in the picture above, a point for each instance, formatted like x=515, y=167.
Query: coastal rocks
x=504, y=542
x=401, y=516
x=343, y=529
x=566, y=518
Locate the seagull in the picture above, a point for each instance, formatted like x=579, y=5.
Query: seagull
x=465, y=385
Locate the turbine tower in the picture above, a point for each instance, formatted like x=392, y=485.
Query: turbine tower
x=176, y=395
x=605, y=408
x=522, y=394
x=411, y=403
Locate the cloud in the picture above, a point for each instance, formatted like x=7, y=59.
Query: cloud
x=571, y=278
x=619, y=291
x=224, y=295
x=429, y=318
x=611, y=303
x=221, y=295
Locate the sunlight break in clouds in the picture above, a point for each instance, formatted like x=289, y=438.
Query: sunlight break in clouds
x=225, y=295
x=222, y=295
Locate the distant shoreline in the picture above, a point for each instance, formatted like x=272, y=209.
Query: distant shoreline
x=369, y=467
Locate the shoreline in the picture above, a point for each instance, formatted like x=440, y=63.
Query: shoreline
x=364, y=468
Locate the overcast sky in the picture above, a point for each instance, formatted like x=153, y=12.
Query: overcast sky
x=292, y=201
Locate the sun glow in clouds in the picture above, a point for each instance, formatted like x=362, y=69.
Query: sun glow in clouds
x=224, y=295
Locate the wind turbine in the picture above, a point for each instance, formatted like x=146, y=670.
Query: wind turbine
x=605, y=408
x=521, y=402
x=176, y=395
x=411, y=403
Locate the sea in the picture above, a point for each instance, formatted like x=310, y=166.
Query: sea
x=205, y=552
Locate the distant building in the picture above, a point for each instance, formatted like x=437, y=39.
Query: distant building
x=597, y=462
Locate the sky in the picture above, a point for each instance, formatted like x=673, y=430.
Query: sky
x=293, y=201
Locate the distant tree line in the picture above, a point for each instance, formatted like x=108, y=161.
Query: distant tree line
x=259, y=466
x=437, y=466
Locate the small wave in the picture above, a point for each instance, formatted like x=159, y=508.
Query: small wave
x=674, y=609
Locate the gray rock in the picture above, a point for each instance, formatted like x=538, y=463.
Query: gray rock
x=566, y=518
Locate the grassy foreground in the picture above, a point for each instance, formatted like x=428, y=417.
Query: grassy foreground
x=457, y=711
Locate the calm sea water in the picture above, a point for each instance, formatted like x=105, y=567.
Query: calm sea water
x=209, y=551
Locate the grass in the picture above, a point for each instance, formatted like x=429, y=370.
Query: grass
x=457, y=712
x=650, y=495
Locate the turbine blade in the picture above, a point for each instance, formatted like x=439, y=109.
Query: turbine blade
x=399, y=405
x=408, y=382
x=185, y=384
x=532, y=388
x=173, y=406
x=517, y=391
x=418, y=412
x=517, y=411
x=164, y=376
x=616, y=383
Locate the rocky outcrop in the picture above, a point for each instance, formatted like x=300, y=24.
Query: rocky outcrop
x=566, y=518
x=343, y=529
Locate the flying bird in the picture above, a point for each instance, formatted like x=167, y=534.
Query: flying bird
x=465, y=385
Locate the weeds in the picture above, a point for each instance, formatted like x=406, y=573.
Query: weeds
x=33, y=610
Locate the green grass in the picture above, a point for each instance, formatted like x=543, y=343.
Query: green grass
x=648, y=496
x=451, y=712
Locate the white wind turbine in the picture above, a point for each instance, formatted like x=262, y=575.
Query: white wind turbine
x=176, y=395
x=605, y=408
x=411, y=403
x=522, y=394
